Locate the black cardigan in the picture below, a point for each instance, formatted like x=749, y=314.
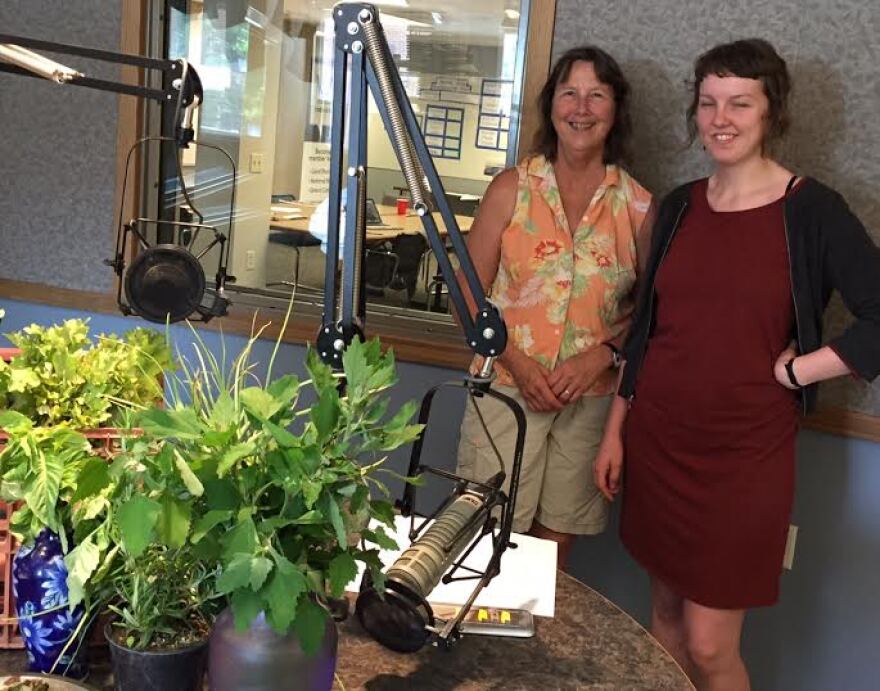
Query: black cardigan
x=828, y=249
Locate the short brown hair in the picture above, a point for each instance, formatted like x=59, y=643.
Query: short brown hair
x=608, y=72
x=750, y=58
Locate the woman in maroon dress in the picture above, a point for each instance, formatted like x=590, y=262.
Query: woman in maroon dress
x=723, y=355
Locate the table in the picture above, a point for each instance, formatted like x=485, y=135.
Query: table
x=589, y=644
x=395, y=225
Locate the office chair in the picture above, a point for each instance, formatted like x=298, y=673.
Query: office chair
x=295, y=240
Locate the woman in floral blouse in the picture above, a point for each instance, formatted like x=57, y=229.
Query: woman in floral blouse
x=558, y=241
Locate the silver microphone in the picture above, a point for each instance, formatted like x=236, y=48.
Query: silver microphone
x=401, y=617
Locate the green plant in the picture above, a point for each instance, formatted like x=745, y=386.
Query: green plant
x=278, y=479
x=60, y=377
x=131, y=553
x=57, y=384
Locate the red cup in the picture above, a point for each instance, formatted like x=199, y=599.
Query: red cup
x=402, y=207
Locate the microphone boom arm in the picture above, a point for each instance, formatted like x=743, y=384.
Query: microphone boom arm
x=362, y=50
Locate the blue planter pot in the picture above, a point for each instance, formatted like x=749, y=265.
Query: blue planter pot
x=39, y=584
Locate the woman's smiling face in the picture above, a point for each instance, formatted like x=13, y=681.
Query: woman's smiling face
x=583, y=110
x=732, y=118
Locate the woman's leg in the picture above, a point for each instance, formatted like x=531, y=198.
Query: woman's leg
x=564, y=542
x=667, y=624
x=713, y=637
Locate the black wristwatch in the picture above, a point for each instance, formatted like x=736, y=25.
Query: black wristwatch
x=616, y=359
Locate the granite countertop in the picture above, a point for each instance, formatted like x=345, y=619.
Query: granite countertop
x=589, y=644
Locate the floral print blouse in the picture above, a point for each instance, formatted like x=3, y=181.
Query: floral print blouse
x=563, y=291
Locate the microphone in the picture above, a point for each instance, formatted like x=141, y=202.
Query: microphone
x=401, y=618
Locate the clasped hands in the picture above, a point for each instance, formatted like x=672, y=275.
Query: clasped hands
x=546, y=390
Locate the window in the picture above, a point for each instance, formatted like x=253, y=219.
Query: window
x=268, y=103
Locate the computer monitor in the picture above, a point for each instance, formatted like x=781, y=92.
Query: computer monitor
x=372, y=214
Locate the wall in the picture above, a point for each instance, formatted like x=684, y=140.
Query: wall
x=831, y=50
x=58, y=152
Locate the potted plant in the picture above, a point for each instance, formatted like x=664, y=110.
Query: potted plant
x=133, y=559
x=56, y=389
x=279, y=477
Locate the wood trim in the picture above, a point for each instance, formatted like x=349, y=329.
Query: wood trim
x=542, y=20
x=845, y=423
x=130, y=115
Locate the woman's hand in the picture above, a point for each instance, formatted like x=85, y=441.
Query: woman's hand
x=573, y=378
x=531, y=380
x=609, y=464
x=779, y=367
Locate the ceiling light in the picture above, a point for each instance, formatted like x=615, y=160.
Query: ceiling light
x=437, y=17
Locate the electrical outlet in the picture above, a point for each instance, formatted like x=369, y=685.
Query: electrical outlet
x=250, y=260
x=255, y=164
x=788, y=558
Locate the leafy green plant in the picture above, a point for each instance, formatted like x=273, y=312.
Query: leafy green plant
x=278, y=478
x=60, y=377
x=58, y=384
x=131, y=553
x=40, y=466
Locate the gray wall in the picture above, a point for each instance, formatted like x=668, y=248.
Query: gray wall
x=58, y=152
x=831, y=49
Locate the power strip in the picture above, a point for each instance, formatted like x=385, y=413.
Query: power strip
x=490, y=621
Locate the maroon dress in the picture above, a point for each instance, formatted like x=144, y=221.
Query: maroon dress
x=710, y=438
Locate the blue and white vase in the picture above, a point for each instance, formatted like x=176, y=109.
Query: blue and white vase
x=39, y=584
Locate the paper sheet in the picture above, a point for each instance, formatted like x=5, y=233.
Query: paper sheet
x=527, y=579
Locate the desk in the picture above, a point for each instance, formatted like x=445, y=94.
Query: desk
x=589, y=644
x=396, y=225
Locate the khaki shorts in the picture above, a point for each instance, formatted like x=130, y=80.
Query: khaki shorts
x=556, y=486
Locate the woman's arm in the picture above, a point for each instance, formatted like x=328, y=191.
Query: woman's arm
x=609, y=459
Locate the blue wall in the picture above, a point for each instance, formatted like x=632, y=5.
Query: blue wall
x=824, y=632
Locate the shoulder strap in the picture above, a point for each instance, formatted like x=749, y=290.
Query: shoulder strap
x=794, y=179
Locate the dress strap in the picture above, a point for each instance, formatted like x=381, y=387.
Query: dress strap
x=790, y=184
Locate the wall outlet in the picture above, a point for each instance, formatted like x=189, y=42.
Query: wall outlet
x=250, y=260
x=255, y=162
x=788, y=558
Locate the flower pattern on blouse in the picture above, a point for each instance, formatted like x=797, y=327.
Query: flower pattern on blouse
x=564, y=290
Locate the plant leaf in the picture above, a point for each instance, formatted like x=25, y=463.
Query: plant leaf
x=246, y=606
x=193, y=484
x=206, y=523
x=260, y=568
x=174, y=521
x=93, y=477
x=342, y=572
x=283, y=591
x=325, y=413
x=331, y=510
x=232, y=456
x=182, y=423
x=137, y=519
x=81, y=562
x=242, y=539
x=237, y=574
x=309, y=624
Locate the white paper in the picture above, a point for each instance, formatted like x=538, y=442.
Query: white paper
x=527, y=579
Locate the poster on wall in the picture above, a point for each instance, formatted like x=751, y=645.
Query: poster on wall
x=315, y=180
x=493, y=122
x=442, y=129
